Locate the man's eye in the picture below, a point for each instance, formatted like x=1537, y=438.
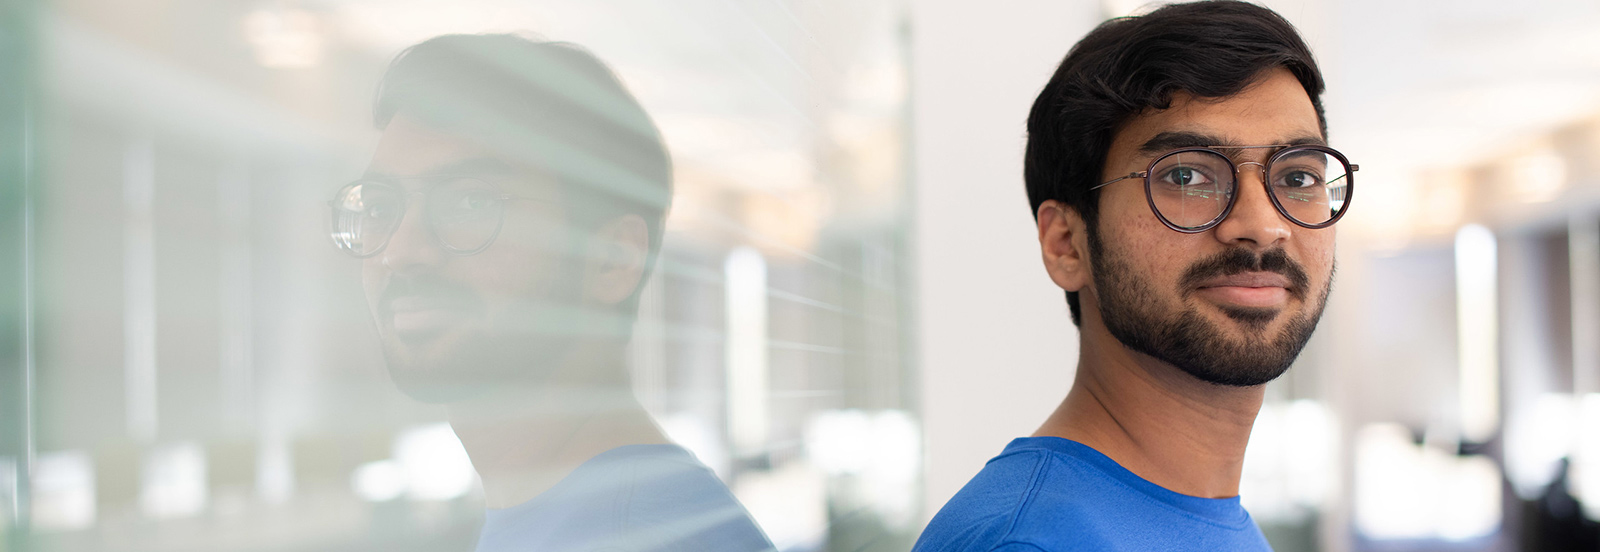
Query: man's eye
x=379, y=210
x=1185, y=176
x=1300, y=179
x=467, y=207
x=474, y=202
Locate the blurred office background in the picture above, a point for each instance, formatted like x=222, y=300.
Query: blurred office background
x=849, y=316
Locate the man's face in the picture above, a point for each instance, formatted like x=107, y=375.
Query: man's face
x=451, y=325
x=1234, y=304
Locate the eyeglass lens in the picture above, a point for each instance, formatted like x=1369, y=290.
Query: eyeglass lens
x=463, y=213
x=1311, y=186
x=1192, y=189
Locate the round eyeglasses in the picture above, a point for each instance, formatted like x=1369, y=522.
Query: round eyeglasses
x=464, y=214
x=1193, y=189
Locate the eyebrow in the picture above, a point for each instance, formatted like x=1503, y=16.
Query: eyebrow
x=473, y=166
x=1168, y=141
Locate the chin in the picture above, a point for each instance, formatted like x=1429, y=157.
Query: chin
x=1256, y=319
x=1249, y=377
x=432, y=370
x=459, y=367
x=431, y=388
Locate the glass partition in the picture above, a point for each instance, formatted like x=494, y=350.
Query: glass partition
x=563, y=275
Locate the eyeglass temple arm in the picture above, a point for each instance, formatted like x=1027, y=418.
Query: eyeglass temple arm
x=1138, y=174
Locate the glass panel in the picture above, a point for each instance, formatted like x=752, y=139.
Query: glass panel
x=650, y=268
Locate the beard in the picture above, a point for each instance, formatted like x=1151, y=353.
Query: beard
x=517, y=345
x=1186, y=338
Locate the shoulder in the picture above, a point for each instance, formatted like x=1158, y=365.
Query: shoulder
x=640, y=497
x=1032, y=498
x=668, y=490
x=985, y=513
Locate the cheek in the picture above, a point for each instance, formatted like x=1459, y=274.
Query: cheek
x=524, y=255
x=518, y=266
x=536, y=234
x=502, y=273
x=1125, y=210
x=1155, y=252
x=373, y=276
x=1320, y=252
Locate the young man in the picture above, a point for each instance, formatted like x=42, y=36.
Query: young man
x=1185, y=200
x=508, y=219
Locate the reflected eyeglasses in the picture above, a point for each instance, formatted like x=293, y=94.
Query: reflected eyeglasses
x=464, y=214
x=1193, y=189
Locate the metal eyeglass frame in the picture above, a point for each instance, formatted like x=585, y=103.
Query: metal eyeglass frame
x=1234, y=197
x=405, y=207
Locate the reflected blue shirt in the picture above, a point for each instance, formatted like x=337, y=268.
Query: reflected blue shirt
x=630, y=498
x=1049, y=493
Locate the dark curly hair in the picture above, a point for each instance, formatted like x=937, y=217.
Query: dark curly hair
x=1211, y=49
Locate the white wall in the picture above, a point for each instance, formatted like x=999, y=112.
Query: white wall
x=997, y=348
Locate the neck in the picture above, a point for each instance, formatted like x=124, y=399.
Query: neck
x=1157, y=421
x=523, y=439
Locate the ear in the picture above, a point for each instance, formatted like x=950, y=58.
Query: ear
x=616, y=259
x=1064, y=244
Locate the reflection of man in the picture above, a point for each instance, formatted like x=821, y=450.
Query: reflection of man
x=508, y=219
x=1184, y=199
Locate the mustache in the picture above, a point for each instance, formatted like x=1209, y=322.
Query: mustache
x=424, y=286
x=1240, y=260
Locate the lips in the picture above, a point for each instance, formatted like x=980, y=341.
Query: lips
x=420, y=308
x=1249, y=280
x=419, y=317
x=1248, y=289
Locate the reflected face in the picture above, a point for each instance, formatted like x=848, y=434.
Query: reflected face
x=1234, y=304
x=452, y=324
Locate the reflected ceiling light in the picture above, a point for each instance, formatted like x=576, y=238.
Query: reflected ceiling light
x=63, y=491
x=1386, y=213
x=1444, y=202
x=284, y=38
x=379, y=481
x=1406, y=491
x=1538, y=177
x=1538, y=435
x=435, y=465
x=174, y=481
x=749, y=153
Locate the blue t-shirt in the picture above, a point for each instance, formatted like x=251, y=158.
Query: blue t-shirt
x=1049, y=493
x=627, y=499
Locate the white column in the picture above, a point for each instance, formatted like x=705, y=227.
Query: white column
x=996, y=348
x=139, y=289
x=1583, y=254
x=745, y=277
x=1477, y=325
x=237, y=377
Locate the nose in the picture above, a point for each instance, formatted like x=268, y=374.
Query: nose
x=412, y=247
x=1254, y=222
